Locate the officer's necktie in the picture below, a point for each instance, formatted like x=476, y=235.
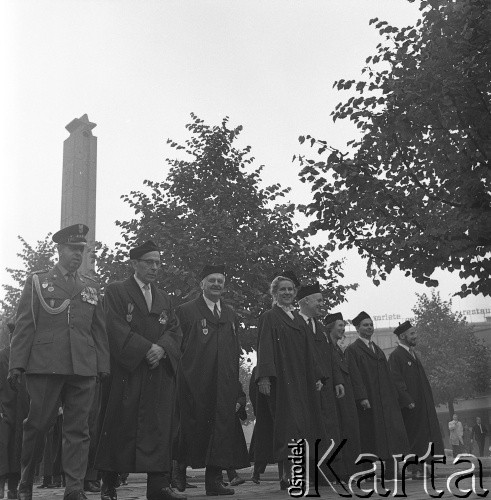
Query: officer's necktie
x=70, y=280
x=148, y=295
x=216, y=312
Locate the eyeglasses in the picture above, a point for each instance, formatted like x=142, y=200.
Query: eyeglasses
x=151, y=262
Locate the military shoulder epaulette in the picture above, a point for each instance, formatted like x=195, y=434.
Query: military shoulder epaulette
x=90, y=278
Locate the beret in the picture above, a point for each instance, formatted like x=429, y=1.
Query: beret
x=138, y=251
x=211, y=269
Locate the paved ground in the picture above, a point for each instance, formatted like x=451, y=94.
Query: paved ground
x=269, y=487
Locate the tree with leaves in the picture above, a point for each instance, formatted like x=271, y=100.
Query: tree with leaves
x=39, y=257
x=456, y=362
x=210, y=208
x=414, y=189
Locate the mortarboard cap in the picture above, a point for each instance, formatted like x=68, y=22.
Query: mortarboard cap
x=363, y=315
x=210, y=269
x=331, y=318
x=403, y=327
x=306, y=290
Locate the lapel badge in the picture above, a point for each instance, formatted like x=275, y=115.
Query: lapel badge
x=203, y=326
x=51, y=289
x=409, y=363
x=129, y=316
x=163, y=318
x=45, y=284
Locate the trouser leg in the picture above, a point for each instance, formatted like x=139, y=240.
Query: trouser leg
x=156, y=481
x=231, y=474
x=78, y=394
x=13, y=481
x=91, y=474
x=213, y=474
x=44, y=391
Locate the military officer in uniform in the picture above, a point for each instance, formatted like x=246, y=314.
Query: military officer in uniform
x=60, y=343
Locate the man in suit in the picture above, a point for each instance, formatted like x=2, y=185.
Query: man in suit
x=60, y=342
x=479, y=433
x=208, y=385
x=415, y=397
x=144, y=339
x=382, y=430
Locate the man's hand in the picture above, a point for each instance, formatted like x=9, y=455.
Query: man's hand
x=237, y=406
x=102, y=376
x=365, y=404
x=318, y=385
x=340, y=391
x=264, y=386
x=13, y=378
x=154, y=355
x=411, y=406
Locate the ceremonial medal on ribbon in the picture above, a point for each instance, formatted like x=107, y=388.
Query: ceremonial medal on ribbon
x=163, y=318
x=203, y=326
x=129, y=316
x=89, y=295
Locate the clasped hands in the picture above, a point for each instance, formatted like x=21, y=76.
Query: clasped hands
x=154, y=355
x=265, y=386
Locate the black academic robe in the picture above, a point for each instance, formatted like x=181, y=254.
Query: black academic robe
x=421, y=423
x=382, y=429
x=286, y=355
x=139, y=421
x=14, y=406
x=348, y=414
x=209, y=388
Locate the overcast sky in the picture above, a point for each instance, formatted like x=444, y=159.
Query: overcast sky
x=138, y=68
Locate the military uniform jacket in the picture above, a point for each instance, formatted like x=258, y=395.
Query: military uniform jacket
x=72, y=341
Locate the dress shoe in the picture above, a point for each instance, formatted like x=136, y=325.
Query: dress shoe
x=255, y=480
x=167, y=493
x=92, y=486
x=218, y=490
x=189, y=485
x=75, y=495
x=237, y=480
x=25, y=491
x=108, y=492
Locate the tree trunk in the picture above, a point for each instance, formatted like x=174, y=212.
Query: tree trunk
x=451, y=410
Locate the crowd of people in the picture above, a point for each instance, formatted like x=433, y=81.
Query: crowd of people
x=136, y=384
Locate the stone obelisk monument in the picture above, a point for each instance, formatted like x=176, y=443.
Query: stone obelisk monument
x=78, y=192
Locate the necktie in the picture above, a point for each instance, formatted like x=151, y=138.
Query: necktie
x=310, y=322
x=148, y=295
x=216, y=312
x=413, y=354
x=70, y=280
x=372, y=347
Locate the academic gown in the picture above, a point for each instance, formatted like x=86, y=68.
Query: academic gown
x=292, y=411
x=421, y=422
x=14, y=406
x=382, y=430
x=209, y=388
x=348, y=414
x=139, y=422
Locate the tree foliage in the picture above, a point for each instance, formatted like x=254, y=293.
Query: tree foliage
x=414, y=189
x=210, y=208
x=456, y=361
x=33, y=258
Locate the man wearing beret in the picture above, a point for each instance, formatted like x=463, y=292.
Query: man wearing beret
x=415, y=397
x=208, y=385
x=144, y=339
x=60, y=343
x=382, y=430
